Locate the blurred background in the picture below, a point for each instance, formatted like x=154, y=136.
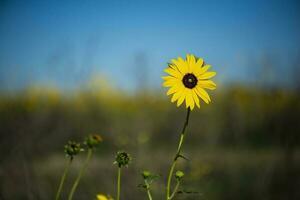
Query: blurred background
x=72, y=68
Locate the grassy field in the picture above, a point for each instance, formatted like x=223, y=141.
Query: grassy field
x=243, y=146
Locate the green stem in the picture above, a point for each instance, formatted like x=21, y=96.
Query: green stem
x=89, y=155
x=119, y=183
x=148, y=190
x=175, y=190
x=62, y=180
x=177, y=153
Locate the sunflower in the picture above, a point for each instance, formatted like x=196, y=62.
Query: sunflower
x=188, y=80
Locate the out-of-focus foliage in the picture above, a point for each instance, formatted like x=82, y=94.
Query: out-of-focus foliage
x=243, y=146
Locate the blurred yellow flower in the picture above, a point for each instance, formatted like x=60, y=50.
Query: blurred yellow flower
x=187, y=80
x=103, y=197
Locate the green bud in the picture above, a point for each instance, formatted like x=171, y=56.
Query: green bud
x=179, y=174
x=122, y=159
x=146, y=174
x=92, y=141
x=72, y=148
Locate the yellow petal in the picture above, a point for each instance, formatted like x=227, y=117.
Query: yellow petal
x=176, y=95
x=182, y=66
x=182, y=97
x=188, y=58
x=205, y=68
x=202, y=70
x=170, y=83
x=189, y=62
x=189, y=100
x=199, y=62
x=192, y=63
x=175, y=62
x=166, y=78
x=192, y=59
x=207, y=75
x=202, y=94
x=208, y=84
x=174, y=65
x=173, y=72
x=173, y=90
x=196, y=99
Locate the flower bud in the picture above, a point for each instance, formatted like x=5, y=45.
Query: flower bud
x=92, y=141
x=179, y=174
x=146, y=174
x=72, y=148
x=122, y=159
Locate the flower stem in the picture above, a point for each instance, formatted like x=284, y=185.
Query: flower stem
x=175, y=190
x=148, y=190
x=177, y=153
x=119, y=183
x=89, y=155
x=62, y=180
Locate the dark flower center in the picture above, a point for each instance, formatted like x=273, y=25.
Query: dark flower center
x=189, y=80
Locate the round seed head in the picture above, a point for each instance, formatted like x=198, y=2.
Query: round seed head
x=72, y=148
x=122, y=159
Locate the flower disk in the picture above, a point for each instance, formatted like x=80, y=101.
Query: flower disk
x=188, y=80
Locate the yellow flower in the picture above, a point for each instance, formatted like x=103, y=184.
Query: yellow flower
x=188, y=80
x=103, y=197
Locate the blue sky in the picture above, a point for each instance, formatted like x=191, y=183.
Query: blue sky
x=65, y=43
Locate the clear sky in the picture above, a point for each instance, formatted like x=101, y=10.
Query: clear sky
x=64, y=43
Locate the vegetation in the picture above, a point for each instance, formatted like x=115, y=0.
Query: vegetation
x=245, y=146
